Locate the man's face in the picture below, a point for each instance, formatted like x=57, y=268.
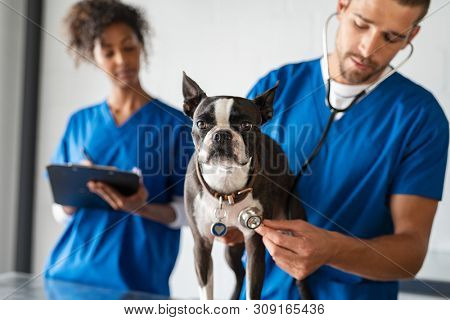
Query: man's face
x=370, y=34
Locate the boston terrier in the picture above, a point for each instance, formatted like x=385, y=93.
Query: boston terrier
x=236, y=177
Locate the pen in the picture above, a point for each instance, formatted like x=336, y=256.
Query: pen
x=88, y=157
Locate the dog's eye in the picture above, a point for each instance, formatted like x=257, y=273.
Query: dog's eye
x=246, y=126
x=201, y=125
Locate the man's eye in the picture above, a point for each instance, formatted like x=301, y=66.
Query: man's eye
x=246, y=126
x=392, y=38
x=109, y=54
x=201, y=125
x=359, y=24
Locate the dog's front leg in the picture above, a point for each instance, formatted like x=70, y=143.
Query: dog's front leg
x=255, y=266
x=233, y=255
x=204, y=267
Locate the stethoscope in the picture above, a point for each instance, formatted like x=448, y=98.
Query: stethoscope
x=251, y=217
x=334, y=111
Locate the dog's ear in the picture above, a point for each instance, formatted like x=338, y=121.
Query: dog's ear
x=265, y=103
x=193, y=95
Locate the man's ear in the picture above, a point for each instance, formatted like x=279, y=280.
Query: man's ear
x=342, y=5
x=193, y=95
x=265, y=103
x=415, y=30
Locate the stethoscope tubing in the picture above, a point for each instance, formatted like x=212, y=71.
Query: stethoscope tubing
x=335, y=111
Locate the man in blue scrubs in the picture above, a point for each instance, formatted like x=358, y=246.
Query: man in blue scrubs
x=372, y=192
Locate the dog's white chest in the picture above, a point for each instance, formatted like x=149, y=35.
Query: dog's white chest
x=205, y=206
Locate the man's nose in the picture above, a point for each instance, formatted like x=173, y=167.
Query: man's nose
x=222, y=136
x=369, y=44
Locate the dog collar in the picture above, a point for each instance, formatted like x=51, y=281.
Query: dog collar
x=233, y=197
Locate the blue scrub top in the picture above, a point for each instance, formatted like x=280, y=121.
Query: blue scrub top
x=115, y=249
x=394, y=141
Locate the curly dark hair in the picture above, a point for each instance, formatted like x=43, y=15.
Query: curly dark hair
x=87, y=19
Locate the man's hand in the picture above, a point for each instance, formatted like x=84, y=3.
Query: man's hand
x=384, y=258
x=296, y=246
x=118, y=201
x=232, y=237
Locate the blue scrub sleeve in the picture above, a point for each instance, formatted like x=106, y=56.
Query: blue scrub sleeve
x=422, y=168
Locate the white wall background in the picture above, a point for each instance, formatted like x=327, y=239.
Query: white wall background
x=11, y=43
x=225, y=46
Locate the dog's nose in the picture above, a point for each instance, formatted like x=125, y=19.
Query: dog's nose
x=222, y=136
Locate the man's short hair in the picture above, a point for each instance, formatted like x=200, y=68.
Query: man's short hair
x=425, y=4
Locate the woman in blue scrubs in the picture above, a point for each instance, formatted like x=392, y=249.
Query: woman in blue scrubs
x=133, y=246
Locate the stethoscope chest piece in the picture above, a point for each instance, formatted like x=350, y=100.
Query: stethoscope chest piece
x=250, y=218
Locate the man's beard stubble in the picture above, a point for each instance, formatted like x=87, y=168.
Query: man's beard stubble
x=355, y=76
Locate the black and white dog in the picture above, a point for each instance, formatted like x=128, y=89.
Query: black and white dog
x=237, y=177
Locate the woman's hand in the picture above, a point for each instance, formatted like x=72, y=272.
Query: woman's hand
x=118, y=201
x=62, y=214
x=86, y=163
x=69, y=210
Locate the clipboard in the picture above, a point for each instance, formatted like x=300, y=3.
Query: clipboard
x=69, y=184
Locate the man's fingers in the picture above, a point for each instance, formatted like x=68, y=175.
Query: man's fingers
x=262, y=230
x=295, y=226
x=283, y=258
x=278, y=253
x=291, y=243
